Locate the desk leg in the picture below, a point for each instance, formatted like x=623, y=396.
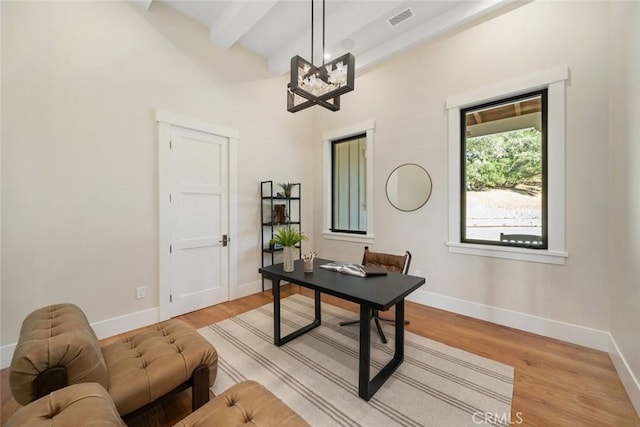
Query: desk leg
x=399, y=353
x=366, y=388
x=365, y=352
x=276, y=311
x=277, y=339
x=318, y=311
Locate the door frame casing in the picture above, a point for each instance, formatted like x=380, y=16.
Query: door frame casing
x=165, y=120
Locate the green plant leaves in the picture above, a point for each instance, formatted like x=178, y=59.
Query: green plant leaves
x=288, y=236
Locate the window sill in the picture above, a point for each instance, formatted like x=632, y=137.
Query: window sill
x=349, y=237
x=520, y=254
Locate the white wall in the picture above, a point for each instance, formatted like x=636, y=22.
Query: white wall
x=406, y=98
x=79, y=199
x=624, y=191
x=80, y=82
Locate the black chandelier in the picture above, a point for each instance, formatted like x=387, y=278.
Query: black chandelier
x=323, y=85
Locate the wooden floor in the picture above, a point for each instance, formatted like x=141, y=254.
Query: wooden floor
x=556, y=383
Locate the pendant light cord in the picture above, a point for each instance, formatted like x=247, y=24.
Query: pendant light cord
x=323, y=32
x=323, y=20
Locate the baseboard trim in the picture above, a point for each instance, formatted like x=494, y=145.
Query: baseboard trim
x=246, y=289
x=568, y=332
x=128, y=322
x=629, y=380
x=103, y=329
x=6, y=353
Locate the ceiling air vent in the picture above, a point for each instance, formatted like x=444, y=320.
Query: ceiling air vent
x=400, y=17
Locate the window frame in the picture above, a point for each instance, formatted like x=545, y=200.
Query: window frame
x=554, y=80
x=335, y=142
x=364, y=128
x=543, y=94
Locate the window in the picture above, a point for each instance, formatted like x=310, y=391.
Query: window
x=503, y=164
x=348, y=183
x=476, y=169
x=348, y=186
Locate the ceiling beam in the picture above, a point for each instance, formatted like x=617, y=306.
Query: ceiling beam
x=340, y=24
x=236, y=19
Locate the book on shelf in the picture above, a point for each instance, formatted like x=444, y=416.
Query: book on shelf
x=354, y=269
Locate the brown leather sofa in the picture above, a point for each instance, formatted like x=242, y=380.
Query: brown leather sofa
x=246, y=403
x=57, y=347
x=80, y=404
x=89, y=404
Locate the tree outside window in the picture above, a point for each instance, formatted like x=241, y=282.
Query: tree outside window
x=503, y=194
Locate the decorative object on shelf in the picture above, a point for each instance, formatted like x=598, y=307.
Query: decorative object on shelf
x=286, y=187
x=307, y=259
x=323, y=85
x=288, y=237
x=279, y=214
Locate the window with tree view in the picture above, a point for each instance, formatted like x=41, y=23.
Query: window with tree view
x=503, y=194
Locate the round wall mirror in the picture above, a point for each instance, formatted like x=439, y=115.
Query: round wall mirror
x=408, y=187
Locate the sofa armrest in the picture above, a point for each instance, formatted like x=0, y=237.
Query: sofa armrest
x=86, y=404
x=54, y=339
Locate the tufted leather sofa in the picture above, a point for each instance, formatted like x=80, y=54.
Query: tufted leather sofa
x=77, y=405
x=88, y=404
x=57, y=347
x=246, y=403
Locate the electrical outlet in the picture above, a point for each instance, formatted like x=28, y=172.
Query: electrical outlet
x=141, y=292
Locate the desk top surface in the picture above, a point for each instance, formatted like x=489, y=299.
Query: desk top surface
x=378, y=292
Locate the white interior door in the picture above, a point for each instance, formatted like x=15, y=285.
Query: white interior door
x=199, y=200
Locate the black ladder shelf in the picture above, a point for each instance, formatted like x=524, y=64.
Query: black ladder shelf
x=277, y=210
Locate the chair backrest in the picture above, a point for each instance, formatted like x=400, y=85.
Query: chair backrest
x=397, y=263
x=529, y=239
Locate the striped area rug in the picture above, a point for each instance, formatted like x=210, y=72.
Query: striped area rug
x=317, y=373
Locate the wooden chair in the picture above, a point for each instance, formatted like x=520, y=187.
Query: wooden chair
x=395, y=263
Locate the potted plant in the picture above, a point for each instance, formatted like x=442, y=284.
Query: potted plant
x=287, y=186
x=288, y=237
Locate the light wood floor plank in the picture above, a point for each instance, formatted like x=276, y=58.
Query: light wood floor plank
x=556, y=383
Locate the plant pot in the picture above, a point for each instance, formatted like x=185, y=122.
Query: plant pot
x=288, y=252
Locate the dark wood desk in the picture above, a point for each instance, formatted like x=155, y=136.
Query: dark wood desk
x=377, y=292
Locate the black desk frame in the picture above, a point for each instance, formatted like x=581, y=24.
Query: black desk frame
x=366, y=387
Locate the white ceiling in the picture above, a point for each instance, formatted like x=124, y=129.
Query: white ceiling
x=280, y=29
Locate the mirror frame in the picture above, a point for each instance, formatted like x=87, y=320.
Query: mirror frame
x=430, y=181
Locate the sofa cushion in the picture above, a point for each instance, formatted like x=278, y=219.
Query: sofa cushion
x=85, y=404
x=154, y=361
x=52, y=336
x=246, y=403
